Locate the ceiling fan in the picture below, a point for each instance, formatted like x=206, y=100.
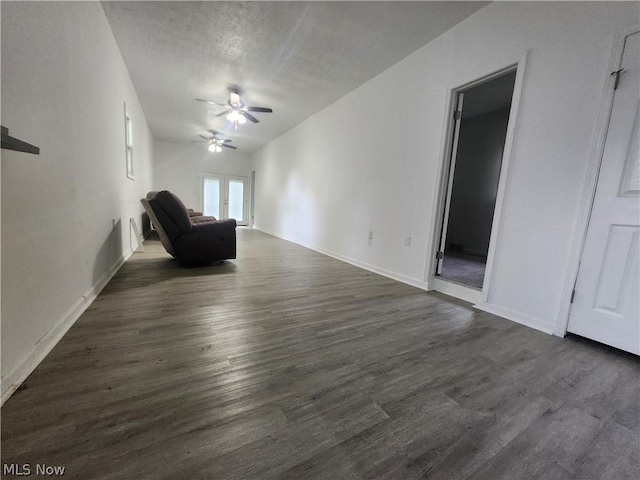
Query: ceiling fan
x=235, y=109
x=215, y=143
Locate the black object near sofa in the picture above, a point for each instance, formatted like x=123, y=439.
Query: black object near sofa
x=191, y=240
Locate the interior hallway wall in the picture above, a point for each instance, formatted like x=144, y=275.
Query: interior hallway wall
x=65, y=212
x=176, y=167
x=371, y=161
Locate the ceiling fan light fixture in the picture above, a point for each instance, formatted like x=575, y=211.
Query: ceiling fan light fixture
x=234, y=97
x=214, y=147
x=235, y=116
x=215, y=144
x=236, y=111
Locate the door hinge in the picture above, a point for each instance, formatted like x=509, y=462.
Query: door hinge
x=457, y=115
x=573, y=295
x=439, y=255
x=617, y=80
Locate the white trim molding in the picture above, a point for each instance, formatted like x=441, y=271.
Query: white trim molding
x=496, y=224
x=439, y=198
x=517, y=317
x=453, y=289
x=448, y=288
x=414, y=282
x=32, y=357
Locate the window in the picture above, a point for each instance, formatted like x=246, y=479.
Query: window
x=128, y=139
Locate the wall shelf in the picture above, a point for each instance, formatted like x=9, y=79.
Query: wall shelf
x=10, y=143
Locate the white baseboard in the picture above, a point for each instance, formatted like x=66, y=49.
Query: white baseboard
x=32, y=358
x=365, y=266
x=467, y=294
x=516, y=317
x=448, y=288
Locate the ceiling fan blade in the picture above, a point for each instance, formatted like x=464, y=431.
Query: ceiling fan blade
x=228, y=146
x=226, y=140
x=259, y=109
x=214, y=132
x=224, y=112
x=249, y=116
x=202, y=136
x=211, y=102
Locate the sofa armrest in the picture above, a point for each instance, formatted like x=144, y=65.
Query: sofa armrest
x=215, y=226
x=202, y=218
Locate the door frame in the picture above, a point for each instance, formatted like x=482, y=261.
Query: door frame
x=468, y=293
x=200, y=174
x=446, y=210
x=593, y=173
x=252, y=204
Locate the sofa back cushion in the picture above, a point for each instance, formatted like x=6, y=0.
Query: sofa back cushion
x=172, y=214
x=164, y=239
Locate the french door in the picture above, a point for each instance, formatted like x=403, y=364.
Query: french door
x=223, y=196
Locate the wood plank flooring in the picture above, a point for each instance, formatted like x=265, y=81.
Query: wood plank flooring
x=287, y=364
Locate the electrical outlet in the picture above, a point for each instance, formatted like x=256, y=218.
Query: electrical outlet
x=407, y=241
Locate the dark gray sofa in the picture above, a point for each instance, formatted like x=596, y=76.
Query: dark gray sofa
x=190, y=240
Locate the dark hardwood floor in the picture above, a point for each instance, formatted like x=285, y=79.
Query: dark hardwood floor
x=289, y=364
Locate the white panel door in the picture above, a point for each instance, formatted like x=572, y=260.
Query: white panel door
x=606, y=305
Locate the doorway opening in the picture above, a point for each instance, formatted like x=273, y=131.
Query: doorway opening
x=223, y=196
x=480, y=119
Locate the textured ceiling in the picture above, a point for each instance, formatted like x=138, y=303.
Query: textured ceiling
x=295, y=57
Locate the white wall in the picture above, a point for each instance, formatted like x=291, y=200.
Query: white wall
x=371, y=161
x=175, y=167
x=64, y=85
